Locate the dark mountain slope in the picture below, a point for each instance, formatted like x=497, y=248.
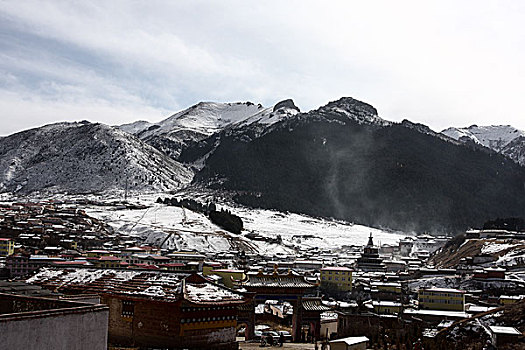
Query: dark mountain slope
x=343, y=161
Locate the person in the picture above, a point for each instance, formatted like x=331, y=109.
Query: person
x=281, y=339
x=263, y=341
x=270, y=340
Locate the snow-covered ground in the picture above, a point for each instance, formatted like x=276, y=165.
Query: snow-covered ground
x=182, y=229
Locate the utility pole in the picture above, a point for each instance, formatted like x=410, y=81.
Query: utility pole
x=126, y=187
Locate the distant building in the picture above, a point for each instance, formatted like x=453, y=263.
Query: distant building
x=7, y=247
x=188, y=257
x=370, y=260
x=228, y=276
x=308, y=264
x=339, y=278
x=510, y=299
x=490, y=273
x=387, y=307
x=504, y=335
x=441, y=299
x=108, y=261
x=22, y=265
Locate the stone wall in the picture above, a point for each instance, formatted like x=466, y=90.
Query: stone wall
x=52, y=325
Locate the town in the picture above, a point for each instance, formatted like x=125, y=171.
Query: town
x=59, y=265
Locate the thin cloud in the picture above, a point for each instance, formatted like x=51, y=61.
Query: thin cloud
x=439, y=63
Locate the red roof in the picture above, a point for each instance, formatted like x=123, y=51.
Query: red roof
x=5, y=239
x=172, y=265
x=92, y=258
x=160, y=258
x=108, y=258
x=70, y=262
x=146, y=266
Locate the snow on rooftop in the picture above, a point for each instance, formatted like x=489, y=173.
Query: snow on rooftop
x=455, y=314
x=44, y=275
x=154, y=291
x=148, y=284
x=444, y=290
x=350, y=340
x=207, y=292
x=124, y=276
x=336, y=268
x=491, y=247
x=504, y=330
x=386, y=303
x=329, y=316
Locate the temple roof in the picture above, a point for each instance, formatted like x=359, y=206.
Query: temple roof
x=208, y=293
x=314, y=304
x=151, y=284
x=289, y=280
x=370, y=241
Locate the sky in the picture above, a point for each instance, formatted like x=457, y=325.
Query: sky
x=440, y=63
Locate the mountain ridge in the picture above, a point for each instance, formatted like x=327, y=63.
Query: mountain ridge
x=84, y=157
x=343, y=161
x=504, y=139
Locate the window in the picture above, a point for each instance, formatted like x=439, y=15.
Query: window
x=128, y=308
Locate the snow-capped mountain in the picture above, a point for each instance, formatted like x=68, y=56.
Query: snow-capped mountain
x=341, y=160
x=344, y=161
x=503, y=139
x=204, y=119
x=84, y=158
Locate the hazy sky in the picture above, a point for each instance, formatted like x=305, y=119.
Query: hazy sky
x=441, y=63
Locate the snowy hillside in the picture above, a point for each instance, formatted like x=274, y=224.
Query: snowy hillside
x=183, y=229
x=504, y=139
x=204, y=119
x=84, y=158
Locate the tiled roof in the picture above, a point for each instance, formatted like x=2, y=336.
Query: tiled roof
x=18, y=287
x=314, y=304
x=277, y=281
x=136, y=283
x=209, y=293
x=158, y=285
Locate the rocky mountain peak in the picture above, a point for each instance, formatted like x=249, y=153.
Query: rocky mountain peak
x=361, y=112
x=288, y=103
